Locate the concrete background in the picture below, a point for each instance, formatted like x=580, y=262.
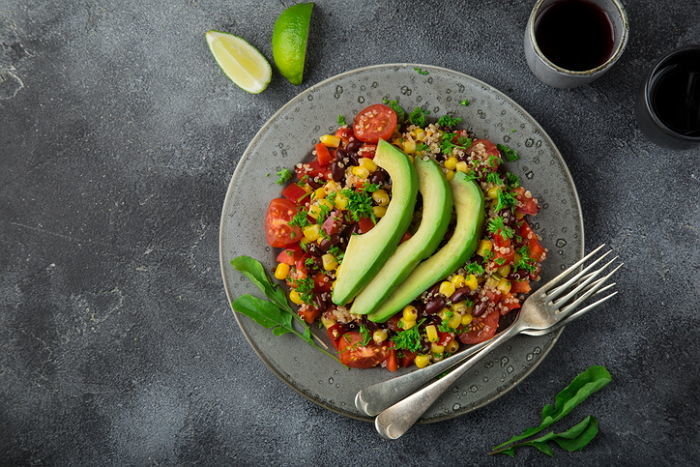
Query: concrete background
x=118, y=135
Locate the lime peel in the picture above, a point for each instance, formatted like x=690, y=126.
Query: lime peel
x=289, y=40
x=240, y=61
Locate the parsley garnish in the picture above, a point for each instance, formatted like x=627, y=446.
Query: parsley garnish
x=525, y=262
x=494, y=178
x=474, y=268
x=408, y=339
x=446, y=121
x=370, y=187
x=283, y=176
x=421, y=147
x=500, y=261
x=341, y=120
x=497, y=225
x=394, y=104
x=509, y=153
x=445, y=327
x=493, y=161
x=513, y=180
x=305, y=288
x=323, y=211
x=300, y=219
x=366, y=335
x=471, y=175
x=417, y=117
x=446, y=144
x=359, y=204
x=465, y=102
x=421, y=71
x=504, y=200
x=309, y=262
x=337, y=253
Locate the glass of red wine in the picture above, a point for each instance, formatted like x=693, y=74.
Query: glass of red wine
x=668, y=106
x=570, y=43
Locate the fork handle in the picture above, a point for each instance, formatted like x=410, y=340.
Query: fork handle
x=400, y=417
x=377, y=397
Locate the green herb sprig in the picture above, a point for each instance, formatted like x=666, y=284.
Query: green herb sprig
x=418, y=117
x=408, y=339
x=394, y=105
x=509, y=153
x=283, y=176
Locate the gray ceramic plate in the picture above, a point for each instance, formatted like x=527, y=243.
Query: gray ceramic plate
x=288, y=137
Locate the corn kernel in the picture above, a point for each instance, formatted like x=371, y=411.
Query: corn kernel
x=406, y=325
x=452, y=346
x=410, y=313
x=358, y=171
x=319, y=193
x=422, y=361
x=492, y=282
x=459, y=307
x=409, y=147
x=492, y=193
x=447, y=288
x=418, y=134
x=331, y=186
x=431, y=333
x=457, y=280
x=455, y=321
x=485, y=247
x=451, y=163
x=379, y=211
x=368, y=164
x=327, y=322
x=331, y=141
x=445, y=314
x=437, y=348
x=504, y=286
x=462, y=167
x=281, y=271
x=503, y=271
x=449, y=175
x=380, y=335
x=311, y=232
x=341, y=201
x=466, y=319
x=471, y=282
x=315, y=209
x=295, y=297
x=329, y=262
x=381, y=197
x=397, y=142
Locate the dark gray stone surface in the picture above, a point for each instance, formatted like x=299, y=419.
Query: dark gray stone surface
x=118, y=135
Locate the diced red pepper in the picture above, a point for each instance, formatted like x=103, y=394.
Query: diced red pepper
x=291, y=255
x=392, y=363
x=367, y=150
x=365, y=224
x=323, y=155
x=345, y=134
x=526, y=205
x=293, y=192
x=309, y=313
x=520, y=286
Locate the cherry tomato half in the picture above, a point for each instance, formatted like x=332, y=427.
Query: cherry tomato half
x=482, y=328
x=354, y=355
x=278, y=232
x=374, y=123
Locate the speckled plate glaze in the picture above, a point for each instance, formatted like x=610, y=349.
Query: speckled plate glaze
x=287, y=138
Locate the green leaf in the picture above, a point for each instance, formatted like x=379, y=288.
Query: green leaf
x=341, y=120
x=261, y=311
x=417, y=117
x=509, y=153
x=581, y=388
x=573, y=439
x=394, y=104
x=255, y=272
x=283, y=176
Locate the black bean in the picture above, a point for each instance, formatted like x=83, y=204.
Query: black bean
x=328, y=242
x=378, y=177
x=480, y=308
x=435, y=304
x=314, y=183
x=313, y=249
x=320, y=302
x=460, y=294
x=353, y=146
x=337, y=171
x=353, y=159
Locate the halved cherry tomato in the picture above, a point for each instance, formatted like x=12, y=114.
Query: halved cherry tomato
x=322, y=283
x=312, y=169
x=374, y=123
x=526, y=205
x=491, y=148
x=367, y=150
x=354, y=355
x=278, y=232
x=535, y=249
x=293, y=192
x=309, y=313
x=392, y=363
x=445, y=338
x=502, y=242
x=365, y=224
x=520, y=286
x=344, y=134
x=482, y=328
x=509, y=303
x=291, y=255
x=323, y=155
x=407, y=358
x=335, y=332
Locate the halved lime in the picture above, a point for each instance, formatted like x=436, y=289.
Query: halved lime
x=242, y=63
x=289, y=38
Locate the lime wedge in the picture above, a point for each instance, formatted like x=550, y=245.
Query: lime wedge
x=242, y=63
x=289, y=38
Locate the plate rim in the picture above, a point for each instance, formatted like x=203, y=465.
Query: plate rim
x=228, y=200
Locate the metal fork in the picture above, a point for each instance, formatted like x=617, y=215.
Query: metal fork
x=546, y=308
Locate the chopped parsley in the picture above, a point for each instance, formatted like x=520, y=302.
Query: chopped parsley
x=525, y=262
x=283, y=176
x=394, y=104
x=494, y=178
x=341, y=120
x=500, y=261
x=305, y=288
x=444, y=326
x=509, y=153
x=309, y=261
x=359, y=204
x=493, y=161
x=323, y=211
x=370, y=187
x=447, y=121
x=421, y=71
x=417, y=117
x=366, y=335
x=300, y=219
x=474, y=268
x=421, y=147
x=513, y=180
x=446, y=144
x=337, y=253
x=504, y=200
x=471, y=175
x=497, y=225
x=408, y=339
x=464, y=102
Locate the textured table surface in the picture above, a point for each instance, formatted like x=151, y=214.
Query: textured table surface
x=118, y=136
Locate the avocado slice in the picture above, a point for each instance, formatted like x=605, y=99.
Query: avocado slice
x=367, y=253
x=437, y=211
x=469, y=207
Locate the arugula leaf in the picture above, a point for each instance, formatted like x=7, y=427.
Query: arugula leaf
x=573, y=439
x=421, y=71
x=283, y=176
x=417, y=117
x=408, y=339
x=394, y=104
x=341, y=120
x=509, y=153
x=447, y=121
x=464, y=102
x=581, y=388
x=255, y=272
x=265, y=313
